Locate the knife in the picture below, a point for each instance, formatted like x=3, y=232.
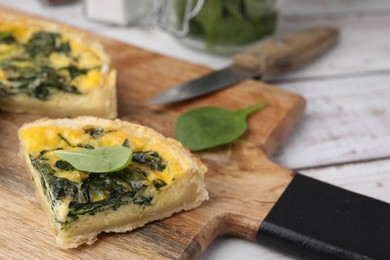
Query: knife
x=275, y=55
x=316, y=220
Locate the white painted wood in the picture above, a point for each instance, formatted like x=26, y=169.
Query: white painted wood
x=368, y=178
x=232, y=248
x=331, y=7
x=362, y=48
x=345, y=120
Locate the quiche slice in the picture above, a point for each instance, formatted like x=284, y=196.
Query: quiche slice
x=163, y=177
x=54, y=70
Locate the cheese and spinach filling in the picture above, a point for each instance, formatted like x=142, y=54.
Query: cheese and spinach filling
x=72, y=193
x=40, y=64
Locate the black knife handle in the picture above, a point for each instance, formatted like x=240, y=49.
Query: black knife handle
x=316, y=220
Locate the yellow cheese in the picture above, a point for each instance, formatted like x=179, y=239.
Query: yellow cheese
x=3, y=76
x=76, y=46
x=6, y=48
x=59, y=60
x=92, y=80
x=89, y=60
x=21, y=33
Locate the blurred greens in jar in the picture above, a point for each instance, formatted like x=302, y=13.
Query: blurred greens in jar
x=224, y=23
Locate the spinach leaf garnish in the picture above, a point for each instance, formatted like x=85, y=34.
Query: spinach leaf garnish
x=208, y=127
x=99, y=160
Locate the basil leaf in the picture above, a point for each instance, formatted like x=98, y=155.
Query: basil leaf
x=208, y=127
x=100, y=160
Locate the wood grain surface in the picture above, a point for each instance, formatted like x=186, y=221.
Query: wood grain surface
x=242, y=182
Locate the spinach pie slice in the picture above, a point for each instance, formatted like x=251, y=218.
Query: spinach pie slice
x=162, y=178
x=54, y=70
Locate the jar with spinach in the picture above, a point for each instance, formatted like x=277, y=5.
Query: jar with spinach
x=223, y=26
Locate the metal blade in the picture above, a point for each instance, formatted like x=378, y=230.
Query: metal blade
x=210, y=83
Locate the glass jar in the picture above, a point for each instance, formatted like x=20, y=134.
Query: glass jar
x=219, y=26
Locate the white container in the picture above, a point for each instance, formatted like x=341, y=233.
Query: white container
x=119, y=12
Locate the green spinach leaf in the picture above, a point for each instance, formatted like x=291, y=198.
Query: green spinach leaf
x=64, y=166
x=233, y=7
x=100, y=160
x=44, y=43
x=59, y=188
x=150, y=159
x=6, y=37
x=158, y=183
x=209, y=15
x=229, y=22
x=36, y=81
x=230, y=31
x=95, y=133
x=208, y=127
x=74, y=71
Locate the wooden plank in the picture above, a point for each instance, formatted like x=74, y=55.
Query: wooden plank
x=346, y=120
x=235, y=169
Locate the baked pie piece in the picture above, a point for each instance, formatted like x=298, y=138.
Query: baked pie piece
x=162, y=178
x=55, y=70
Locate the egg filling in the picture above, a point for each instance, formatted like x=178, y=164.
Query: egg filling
x=72, y=193
x=41, y=64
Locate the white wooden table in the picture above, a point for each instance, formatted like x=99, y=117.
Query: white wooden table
x=344, y=136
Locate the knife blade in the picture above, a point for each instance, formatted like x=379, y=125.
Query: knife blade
x=276, y=55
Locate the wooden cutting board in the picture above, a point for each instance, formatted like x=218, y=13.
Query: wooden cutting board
x=243, y=183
